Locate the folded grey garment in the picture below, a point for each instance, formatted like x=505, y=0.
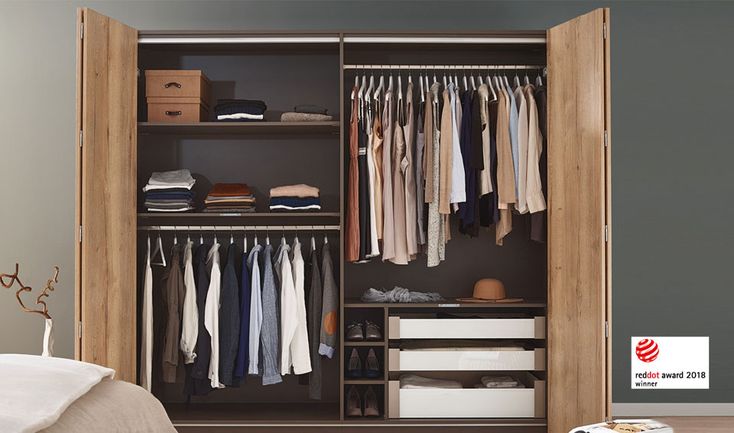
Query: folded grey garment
x=310, y=108
x=501, y=382
x=173, y=177
x=413, y=381
x=290, y=116
x=400, y=295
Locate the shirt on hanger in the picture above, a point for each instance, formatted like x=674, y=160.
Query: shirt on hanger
x=256, y=309
x=299, y=349
x=269, y=336
x=146, y=343
x=173, y=296
x=190, y=320
x=243, y=346
x=522, y=139
x=211, y=313
x=229, y=318
x=329, y=308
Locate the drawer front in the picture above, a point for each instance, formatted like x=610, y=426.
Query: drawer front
x=173, y=112
x=466, y=402
x=177, y=86
x=466, y=328
x=466, y=360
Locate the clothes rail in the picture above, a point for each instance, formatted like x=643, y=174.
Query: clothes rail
x=289, y=228
x=444, y=67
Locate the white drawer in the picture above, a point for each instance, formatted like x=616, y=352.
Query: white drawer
x=466, y=328
x=467, y=402
x=466, y=360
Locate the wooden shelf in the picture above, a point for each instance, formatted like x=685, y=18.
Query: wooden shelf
x=241, y=128
x=253, y=218
x=364, y=343
x=447, y=304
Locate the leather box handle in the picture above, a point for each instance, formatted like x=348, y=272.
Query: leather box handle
x=173, y=113
x=172, y=84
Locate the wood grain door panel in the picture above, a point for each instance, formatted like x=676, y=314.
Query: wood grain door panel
x=577, y=203
x=106, y=177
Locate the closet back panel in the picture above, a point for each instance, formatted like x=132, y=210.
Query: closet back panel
x=521, y=263
x=283, y=78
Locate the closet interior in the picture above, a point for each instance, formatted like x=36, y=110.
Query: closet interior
x=451, y=362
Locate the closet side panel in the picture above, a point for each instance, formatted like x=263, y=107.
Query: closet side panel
x=107, y=179
x=577, y=358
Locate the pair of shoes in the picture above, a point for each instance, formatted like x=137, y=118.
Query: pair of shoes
x=369, y=331
x=354, y=403
x=371, y=368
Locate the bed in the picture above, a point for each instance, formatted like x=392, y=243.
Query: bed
x=56, y=395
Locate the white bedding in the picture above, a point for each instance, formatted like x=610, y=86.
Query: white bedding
x=35, y=390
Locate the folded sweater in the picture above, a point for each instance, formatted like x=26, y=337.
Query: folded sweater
x=300, y=190
x=413, y=381
x=310, y=108
x=291, y=116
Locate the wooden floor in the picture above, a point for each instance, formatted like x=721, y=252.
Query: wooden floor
x=695, y=424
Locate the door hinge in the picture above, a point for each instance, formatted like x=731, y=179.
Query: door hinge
x=81, y=30
x=606, y=329
x=604, y=30
x=79, y=329
x=606, y=138
x=81, y=138
x=81, y=233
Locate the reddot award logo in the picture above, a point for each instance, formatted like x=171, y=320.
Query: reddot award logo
x=647, y=350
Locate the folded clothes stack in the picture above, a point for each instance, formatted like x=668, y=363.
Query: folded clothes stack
x=240, y=110
x=413, y=381
x=294, y=197
x=169, y=191
x=306, y=113
x=500, y=382
x=230, y=197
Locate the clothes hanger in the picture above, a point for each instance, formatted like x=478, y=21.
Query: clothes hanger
x=538, y=80
x=201, y=236
x=527, y=79
x=466, y=84
x=313, y=240
x=370, y=89
x=282, y=236
x=473, y=83
x=267, y=236
x=356, y=84
x=400, y=87
x=175, y=238
x=444, y=80
x=380, y=87
x=188, y=234
x=244, y=243
x=148, y=250
x=491, y=87
x=159, y=250
x=389, y=83
x=516, y=80
x=216, y=241
x=255, y=242
x=420, y=78
x=231, y=236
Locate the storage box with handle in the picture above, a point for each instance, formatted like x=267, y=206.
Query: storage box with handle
x=177, y=96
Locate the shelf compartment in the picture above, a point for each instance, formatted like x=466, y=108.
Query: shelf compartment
x=466, y=360
x=240, y=128
x=526, y=402
x=531, y=328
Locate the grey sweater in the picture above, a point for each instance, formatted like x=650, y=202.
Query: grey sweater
x=269, y=334
x=330, y=304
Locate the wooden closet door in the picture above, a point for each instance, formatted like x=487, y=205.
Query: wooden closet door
x=106, y=192
x=578, y=255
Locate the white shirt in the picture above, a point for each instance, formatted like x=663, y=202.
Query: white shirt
x=211, y=313
x=287, y=308
x=146, y=345
x=256, y=309
x=299, y=349
x=458, y=180
x=190, y=320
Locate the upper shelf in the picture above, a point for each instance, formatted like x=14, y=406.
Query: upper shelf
x=240, y=128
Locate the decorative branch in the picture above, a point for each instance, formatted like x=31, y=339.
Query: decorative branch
x=8, y=280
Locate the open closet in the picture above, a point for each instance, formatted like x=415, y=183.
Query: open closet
x=553, y=344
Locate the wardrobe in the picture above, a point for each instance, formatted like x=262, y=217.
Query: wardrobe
x=565, y=283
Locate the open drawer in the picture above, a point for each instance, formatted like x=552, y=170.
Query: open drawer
x=526, y=402
x=466, y=360
x=402, y=328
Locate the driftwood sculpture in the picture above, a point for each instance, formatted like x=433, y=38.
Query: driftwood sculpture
x=9, y=280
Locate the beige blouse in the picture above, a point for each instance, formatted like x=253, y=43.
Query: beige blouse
x=445, y=157
x=411, y=223
x=534, y=189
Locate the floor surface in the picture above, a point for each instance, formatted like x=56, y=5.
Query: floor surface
x=695, y=424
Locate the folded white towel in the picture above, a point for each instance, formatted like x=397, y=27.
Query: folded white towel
x=238, y=116
x=170, y=179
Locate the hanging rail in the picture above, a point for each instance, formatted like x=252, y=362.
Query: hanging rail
x=444, y=67
x=192, y=228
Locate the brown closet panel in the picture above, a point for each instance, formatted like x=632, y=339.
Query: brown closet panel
x=577, y=252
x=106, y=187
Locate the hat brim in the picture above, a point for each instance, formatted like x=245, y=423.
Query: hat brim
x=490, y=301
